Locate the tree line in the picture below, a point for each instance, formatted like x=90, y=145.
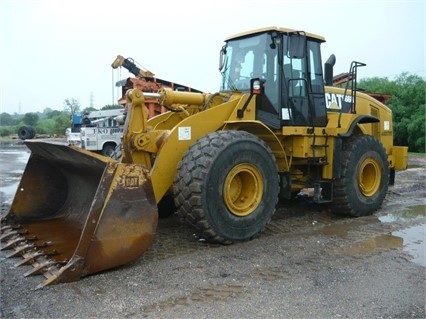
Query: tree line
x=407, y=102
x=408, y=105
x=49, y=122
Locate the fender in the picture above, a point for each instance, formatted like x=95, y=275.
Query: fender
x=362, y=119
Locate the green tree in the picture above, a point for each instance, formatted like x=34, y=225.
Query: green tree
x=61, y=122
x=47, y=110
x=53, y=113
x=6, y=131
x=72, y=106
x=6, y=119
x=30, y=118
x=408, y=103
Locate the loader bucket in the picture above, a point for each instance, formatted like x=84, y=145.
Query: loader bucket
x=76, y=213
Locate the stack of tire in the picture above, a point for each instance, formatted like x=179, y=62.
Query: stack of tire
x=26, y=132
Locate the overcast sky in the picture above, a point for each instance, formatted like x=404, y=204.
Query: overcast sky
x=57, y=50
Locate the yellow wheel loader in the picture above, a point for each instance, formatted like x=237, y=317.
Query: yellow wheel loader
x=276, y=129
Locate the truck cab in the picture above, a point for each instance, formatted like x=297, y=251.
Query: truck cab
x=102, y=132
x=97, y=131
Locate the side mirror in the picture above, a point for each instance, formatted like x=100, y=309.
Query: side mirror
x=222, y=58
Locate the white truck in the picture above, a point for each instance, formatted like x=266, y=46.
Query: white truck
x=98, y=131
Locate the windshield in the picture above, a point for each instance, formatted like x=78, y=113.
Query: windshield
x=244, y=59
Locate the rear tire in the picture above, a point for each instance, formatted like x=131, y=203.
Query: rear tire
x=227, y=186
x=365, y=177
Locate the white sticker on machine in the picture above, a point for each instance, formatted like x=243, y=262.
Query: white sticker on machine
x=285, y=113
x=184, y=133
x=386, y=125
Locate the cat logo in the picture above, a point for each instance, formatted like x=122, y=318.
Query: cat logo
x=334, y=101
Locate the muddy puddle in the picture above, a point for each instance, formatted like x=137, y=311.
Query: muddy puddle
x=410, y=236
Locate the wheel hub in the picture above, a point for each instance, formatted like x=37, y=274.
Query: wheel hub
x=243, y=189
x=369, y=177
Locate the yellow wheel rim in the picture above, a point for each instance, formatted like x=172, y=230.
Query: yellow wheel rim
x=369, y=177
x=243, y=189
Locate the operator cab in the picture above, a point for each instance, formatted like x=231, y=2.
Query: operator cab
x=288, y=64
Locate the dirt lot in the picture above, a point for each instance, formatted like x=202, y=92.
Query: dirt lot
x=308, y=264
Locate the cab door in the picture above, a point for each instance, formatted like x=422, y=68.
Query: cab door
x=303, y=85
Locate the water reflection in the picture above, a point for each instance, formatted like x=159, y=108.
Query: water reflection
x=414, y=242
x=414, y=237
x=413, y=212
x=342, y=230
x=8, y=192
x=12, y=164
x=411, y=239
x=370, y=244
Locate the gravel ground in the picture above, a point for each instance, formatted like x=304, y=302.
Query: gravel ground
x=307, y=264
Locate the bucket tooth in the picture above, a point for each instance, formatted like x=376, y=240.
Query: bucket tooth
x=13, y=243
x=20, y=250
x=8, y=235
x=43, y=244
x=9, y=227
x=31, y=238
x=52, y=274
x=29, y=258
x=51, y=277
x=5, y=227
x=40, y=268
x=52, y=252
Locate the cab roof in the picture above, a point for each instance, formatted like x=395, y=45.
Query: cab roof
x=273, y=28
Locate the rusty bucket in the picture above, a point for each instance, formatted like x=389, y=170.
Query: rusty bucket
x=76, y=213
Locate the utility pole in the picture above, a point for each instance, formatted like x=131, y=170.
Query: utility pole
x=91, y=100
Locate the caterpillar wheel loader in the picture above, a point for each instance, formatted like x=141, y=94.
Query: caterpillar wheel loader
x=274, y=129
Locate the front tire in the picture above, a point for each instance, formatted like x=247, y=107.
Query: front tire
x=117, y=153
x=365, y=177
x=108, y=150
x=227, y=186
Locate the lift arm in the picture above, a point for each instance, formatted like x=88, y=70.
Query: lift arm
x=129, y=64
